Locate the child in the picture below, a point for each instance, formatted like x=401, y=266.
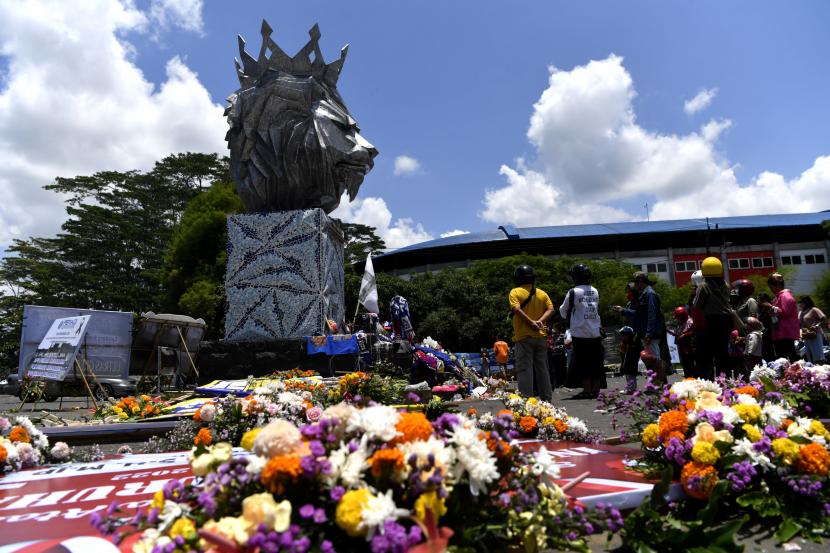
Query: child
x=753, y=353
x=736, y=353
x=485, y=363
x=630, y=354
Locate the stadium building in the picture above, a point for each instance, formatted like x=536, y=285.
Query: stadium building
x=672, y=250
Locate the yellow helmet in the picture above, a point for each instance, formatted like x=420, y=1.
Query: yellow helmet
x=712, y=267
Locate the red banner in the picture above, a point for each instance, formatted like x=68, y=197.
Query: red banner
x=48, y=509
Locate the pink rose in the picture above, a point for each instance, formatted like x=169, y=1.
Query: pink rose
x=313, y=414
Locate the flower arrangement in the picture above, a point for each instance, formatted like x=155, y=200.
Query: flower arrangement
x=535, y=418
x=370, y=479
x=132, y=408
x=22, y=445
x=743, y=449
x=806, y=387
x=361, y=388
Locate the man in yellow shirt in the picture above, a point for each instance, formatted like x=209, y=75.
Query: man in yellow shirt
x=530, y=308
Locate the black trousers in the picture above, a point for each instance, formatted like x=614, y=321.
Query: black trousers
x=713, y=352
x=785, y=348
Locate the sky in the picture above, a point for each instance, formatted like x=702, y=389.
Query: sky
x=484, y=112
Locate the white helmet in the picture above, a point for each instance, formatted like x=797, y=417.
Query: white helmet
x=697, y=278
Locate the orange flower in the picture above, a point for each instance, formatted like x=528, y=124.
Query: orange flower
x=560, y=425
x=672, y=421
x=3, y=454
x=748, y=390
x=386, y=459
x=472, y=412
x=413, y=427
x=148, y=410
x=197, y=416
x=671, y=435
x=505, y=412
x=499, y=447
x=280, y=471
x=785, y=424
x=698, y=480
x=528, y=424
x=19, y=434
x=203, y=437
x=814, y=459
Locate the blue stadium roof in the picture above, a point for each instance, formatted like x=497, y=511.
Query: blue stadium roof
x=607, y=229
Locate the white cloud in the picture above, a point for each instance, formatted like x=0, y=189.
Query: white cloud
x=375, y=213
x=406, y=165
x=591, y=154
x=700, y=102
x=456, y=232
x=185, y=14
x=73, y=102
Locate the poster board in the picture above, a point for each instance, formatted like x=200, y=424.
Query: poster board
x=54, y=357
x=107, y=344
x=675, y=353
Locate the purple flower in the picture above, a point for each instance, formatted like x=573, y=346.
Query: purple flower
x=394, y=538
x=307, y=510
x=741, y=475
x=337, y=493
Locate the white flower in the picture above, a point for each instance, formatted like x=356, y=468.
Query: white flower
x=430, y=343
x=202, y=464
x=729, y=414
x=767, y=371
x=376, y=422
x=746, y=399
x=443, y=455
x=685, y=389
x=348, y=467
x=774, y=414
x=255, y=464
x=473, y=458
x=544, y=464
x=576, y=426
x=208, y=412
x=743, y=447
x=486, y=421
x=148, y=541
x=378, y=510
x=61, y=451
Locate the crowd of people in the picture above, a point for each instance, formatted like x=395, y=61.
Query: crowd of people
x=722, y=329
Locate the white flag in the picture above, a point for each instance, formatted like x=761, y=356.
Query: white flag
x=368, y=296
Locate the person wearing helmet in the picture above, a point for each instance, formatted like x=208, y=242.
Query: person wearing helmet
x=747, y=306
x=787, y=329
x=530, y=308
x=683, y=337
x=712, y=299
x=633, y=345
x=647, y=321
x=580, y=309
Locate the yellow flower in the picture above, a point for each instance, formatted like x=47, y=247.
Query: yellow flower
x=786, y=449
x=707, y=401
x=431, y=501
x=818, y=429
x=117, y=410
x=248, y=438
x=262, y=509
x=123, y=416
x=158, y=500
x=749, y=413
x=135, y=410
x=348, y=514
x=705, y=453
x=651, y=436
x=752, y=432
x=532, y=401
x=183, y=527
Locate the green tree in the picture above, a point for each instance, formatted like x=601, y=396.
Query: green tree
x=194, y=264
x=360, y=240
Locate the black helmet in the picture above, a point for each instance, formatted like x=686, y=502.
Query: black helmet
x=581, y=274
x=523, y=275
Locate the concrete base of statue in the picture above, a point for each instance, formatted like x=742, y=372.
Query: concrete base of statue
x=284, y=276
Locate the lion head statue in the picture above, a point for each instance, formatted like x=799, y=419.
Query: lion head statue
x=293, y=143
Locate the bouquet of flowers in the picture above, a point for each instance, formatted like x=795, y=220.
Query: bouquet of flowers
x=371, y=479
x=23, y=446
x=746, y=449
x=806, y=387
x=360, y=388
x=132, y=408
x=535, y=418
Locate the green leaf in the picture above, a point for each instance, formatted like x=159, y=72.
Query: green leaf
x=787, y=530
x=769, y=385
x=762, y=503
x=801, y=440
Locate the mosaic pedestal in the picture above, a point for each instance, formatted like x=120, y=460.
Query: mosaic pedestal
x=284, y=275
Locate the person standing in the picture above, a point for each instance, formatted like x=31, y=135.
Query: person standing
x=747, y=306
x=767, y=319
x=633, y=344
x=811, y=319
x=712, y=299
x=787, y=328
x=581, y=311
x=648, y=323
x=530, y=308
x=502, y=351
x=754, y=351
x=485, y=363
x=683, y=337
